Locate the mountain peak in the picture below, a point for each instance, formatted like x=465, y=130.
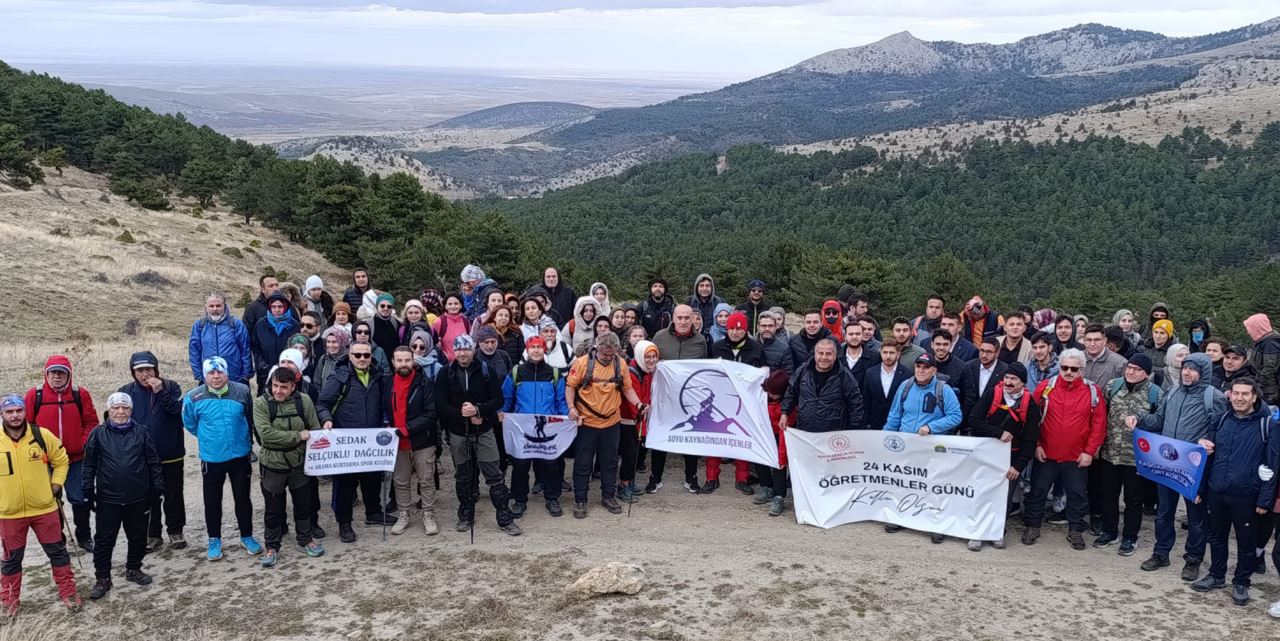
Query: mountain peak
x=899, y=53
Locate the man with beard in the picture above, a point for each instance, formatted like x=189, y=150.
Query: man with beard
x=802, y=344
x=754, y=306
x=704, y=301
x=1235, y=366
x=218, y=333
x=777, y=352
x=655, y=311
x=923, y=327
x=410, y=400
x=157, y=407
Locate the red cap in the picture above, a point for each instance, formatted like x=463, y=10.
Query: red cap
x=535, y=340
x=737, y=320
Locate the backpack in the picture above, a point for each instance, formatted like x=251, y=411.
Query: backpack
x=938, y=383
x=75, y=396
x=588, y=378
x=273, y=407
x=1153, y=393
x=38, y=436
x=1019, y=413
x=515, y=375
x=1093, y=394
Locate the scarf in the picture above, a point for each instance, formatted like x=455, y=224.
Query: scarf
x=281, y=324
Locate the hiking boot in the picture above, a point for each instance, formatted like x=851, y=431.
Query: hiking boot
x=1190, y=571
x=744, y=487
x=710, y=486
x=975, y=545
x=765, y=495
x=177, y=541
x=269, y=558
x=215, y=550
x=998, y=544
x=653, y=486
x=1261, y=567
x=317, y=532
x=776, y=505
x=429, y=524
x=512, y=529
x=1030, y=535
x=402, y=523
x=100, y=589
x=345, y=533
x=936, y=538
x=611, y=504
x=137, y=576
x=1240, y=594
x=1155, y=563
x=1127, y=547
x=154, y=543
x=627, y=493
x=554, y=509
x=692, y=486
x=313, y=549
x=1057, y=518
x=580, y=510
x=1105, y=540
x=463, y=525
x=641, y=466
x=537, y=489
x=1208, y=582
x=518, y=508
x=72, y=601
x=891, y=528
x=379, y=518
x=251, y=545
x=1076, y=539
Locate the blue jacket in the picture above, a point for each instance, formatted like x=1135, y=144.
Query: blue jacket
x=220, y=423
x=1035, y=375
x=1239, y=447
x=228, y=338
x=922, y=408
x=536, y=389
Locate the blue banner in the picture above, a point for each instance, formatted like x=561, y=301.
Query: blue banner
x=1175, y=464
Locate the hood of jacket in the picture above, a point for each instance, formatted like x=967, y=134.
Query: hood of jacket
x=608, y=302
x=59, y=359
x=1204, y=365
x=143, y=359
x=834, y=328
x=1258, y=325
x=583, y=303
x=1151, y=315
x=722, y=307
x=699, y=279
x=1202, y=324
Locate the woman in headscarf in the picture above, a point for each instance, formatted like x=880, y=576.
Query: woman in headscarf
x=1125, y=320
x=1082, y=322
x=600, y=292
x=368, y=305
x=719, y=317
x=581, y=328
x=336, y=341
x=1043, y=320
x=424, y=353
x=1160, y=341
x=412, y=319
x=362, y=332
x=1171, y=375
x=342, y=316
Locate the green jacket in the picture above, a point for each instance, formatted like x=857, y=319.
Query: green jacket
x=281, y=447
x=1118, y=448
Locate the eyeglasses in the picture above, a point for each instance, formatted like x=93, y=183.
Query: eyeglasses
x=361, y=356
x=308, y=326
x=1068, y=368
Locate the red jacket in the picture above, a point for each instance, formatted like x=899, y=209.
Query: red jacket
x=775, y=413
x=58, y=412
x=1071, y=424
x=644, y=389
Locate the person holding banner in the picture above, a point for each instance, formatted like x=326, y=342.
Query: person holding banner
x=352, y=399
x=1244, y=452
x=468, y=397
x=1072, y=430
x=646, y=362
x=411, y=406
x=1006, y=412
x=1115, y=471
x=535, y=387
x=594, y=392
x=284, y=418
x=737, y=346
x=681, y=341
x=822, y=396
x=1186, y=413
x=928, y=405
x=773, y=481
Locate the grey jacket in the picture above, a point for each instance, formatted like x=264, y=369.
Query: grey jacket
x=1181, y=413
x=1105, y=367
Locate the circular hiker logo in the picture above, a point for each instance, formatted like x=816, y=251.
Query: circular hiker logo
x=1194, y=458
x=894, y=443
x=1144, y=445
x=383, y=438
x=1169, y=452
x=711, y=402
x=839, y=443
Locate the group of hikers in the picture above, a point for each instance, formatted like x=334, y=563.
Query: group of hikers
x=443, y=369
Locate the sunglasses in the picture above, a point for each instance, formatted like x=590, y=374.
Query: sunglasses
x=1068, y=368
x=361, y=356
x=831, y=313
x=419, y=348
x=309, y=325
x=384, y=307
x=757, y=291
x=361, y=331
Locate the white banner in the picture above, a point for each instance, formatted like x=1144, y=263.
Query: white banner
x=348, y=451
x=952, y=485
x=529, y=436
x=711, y=408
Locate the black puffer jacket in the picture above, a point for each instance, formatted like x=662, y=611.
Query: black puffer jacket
x=751, y=353
x=121, y=466
x=837, y=406
x=349, y=403
x=478, y=385
x=420, y=409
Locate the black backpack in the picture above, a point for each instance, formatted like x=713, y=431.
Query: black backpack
x=75, y=396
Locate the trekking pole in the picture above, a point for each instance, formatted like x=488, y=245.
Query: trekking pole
x=475, y=482
x=384, y=495
x=66, y=534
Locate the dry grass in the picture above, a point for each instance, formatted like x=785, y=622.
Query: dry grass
x=100, y=366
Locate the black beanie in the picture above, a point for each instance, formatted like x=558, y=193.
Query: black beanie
x=1019, y=370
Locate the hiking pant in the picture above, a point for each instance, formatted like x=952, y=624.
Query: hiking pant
x=135, y=517
x=548, y=472
x=419, y=464
x=274, y=484
x=1166, y=534
x=741, y=469
x=13, y=539
x=773, y=478
x=213, y=476
x=370, y=486
x=1112, y=480
x=1225, y=513
x=591, y=444
x=466, y=484
x=657, y=464
x=1074, y=480
x=171, y=507
x=628, y=451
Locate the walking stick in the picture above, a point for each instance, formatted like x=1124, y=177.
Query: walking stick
x=66, y=534
x=475, y=481
x=383, y=496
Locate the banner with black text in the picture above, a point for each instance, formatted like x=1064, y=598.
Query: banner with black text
x=711, y=408
x=348, y=451
x=953, y=485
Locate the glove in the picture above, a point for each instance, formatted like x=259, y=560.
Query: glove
x=1265, y=473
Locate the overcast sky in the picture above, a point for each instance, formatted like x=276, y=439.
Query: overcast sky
x=730, y=38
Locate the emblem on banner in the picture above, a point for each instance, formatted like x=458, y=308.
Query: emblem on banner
x=710, y=411
x=383, y=438
x=894, y=443
x=838, y=443
x=320, y=443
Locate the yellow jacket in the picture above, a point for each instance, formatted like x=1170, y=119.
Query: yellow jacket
x=26, y=489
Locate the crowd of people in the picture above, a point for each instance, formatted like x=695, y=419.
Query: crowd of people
x=1066, y=392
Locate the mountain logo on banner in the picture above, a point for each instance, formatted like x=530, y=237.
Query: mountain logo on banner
x=320, y=443
x=704, y=408
x=539, y=434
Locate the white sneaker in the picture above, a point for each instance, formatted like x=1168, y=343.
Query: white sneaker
x=402, y=523
x=975, y=546
x=1274, y=610
x=429, y=524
